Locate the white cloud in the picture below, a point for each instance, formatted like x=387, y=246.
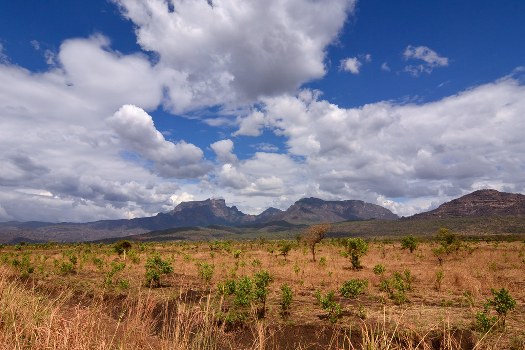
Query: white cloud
x=137, y=133
x=385, y=67
x=67, y=149
x=224, y=151
x=232, y=52
x=351, y=64
x=422, y=53
x=424, y=153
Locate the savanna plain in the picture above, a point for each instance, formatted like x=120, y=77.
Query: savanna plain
x=439, y=293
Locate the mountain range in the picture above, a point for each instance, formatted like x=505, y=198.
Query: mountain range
x=203, y=217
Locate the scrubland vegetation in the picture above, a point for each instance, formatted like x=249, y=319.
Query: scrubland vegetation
x=310, y=294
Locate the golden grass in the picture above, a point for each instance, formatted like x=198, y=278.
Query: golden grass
x=52, y=310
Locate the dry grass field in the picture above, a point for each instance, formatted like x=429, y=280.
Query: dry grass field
x=87, y=296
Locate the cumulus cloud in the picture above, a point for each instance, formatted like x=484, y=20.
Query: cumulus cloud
x=67, y=150
x=420, y=152
x=230, y=52
x=351, y=64
x=429, y=57
x=224, y=151
x=137, y=133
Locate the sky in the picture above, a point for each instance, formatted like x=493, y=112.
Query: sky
x=124, y=108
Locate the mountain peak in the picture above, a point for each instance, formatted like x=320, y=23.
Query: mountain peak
x=210, y=202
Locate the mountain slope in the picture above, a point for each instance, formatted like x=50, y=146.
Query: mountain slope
x=479, y=203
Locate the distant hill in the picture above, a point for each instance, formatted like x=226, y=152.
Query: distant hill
x=479, y=203
x=314, y=210
x=199, y=215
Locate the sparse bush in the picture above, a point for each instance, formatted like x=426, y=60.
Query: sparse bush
x=205, y=271
x=23, y=265
x=322, y=261
x=353, y=288
x=484, y=322
x=379, y=269
x=286, y=299
x=409, y=243
x=243, y=294
x=237, y=253
x=116, y=267
x=355, y=249
x=397, y=286
x=329, y=305
x=99, y=263
x=155, y=268
x=66, y=268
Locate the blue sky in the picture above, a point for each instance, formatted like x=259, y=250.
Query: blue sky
x=124, y=108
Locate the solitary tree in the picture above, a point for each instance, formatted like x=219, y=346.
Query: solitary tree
x=315, y=234
x=409, y=242
x=121, y=247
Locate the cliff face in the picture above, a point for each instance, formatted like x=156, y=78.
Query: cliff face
x=479, y=203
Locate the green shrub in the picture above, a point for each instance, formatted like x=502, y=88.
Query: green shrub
x=397, y=286
x=99, y=263
x=243, y=294
x=354, y=287
x=261, y=281
x=355, y=249
x=329, y=305
x=116, y=267
x=205, y=271
x=286, y=299
x=155, y=268
x=484, y=322
x=66, y=268
x=227, y=287
x=379, y=269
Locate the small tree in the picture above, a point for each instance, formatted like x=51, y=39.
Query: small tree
x=355, y=249
x=410, y=243
x=121, y=247
x=261, y=281
x=315, y=234
x=502, y=303
x=285, y=248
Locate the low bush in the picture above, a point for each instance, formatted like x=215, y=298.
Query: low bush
x=353, y=288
